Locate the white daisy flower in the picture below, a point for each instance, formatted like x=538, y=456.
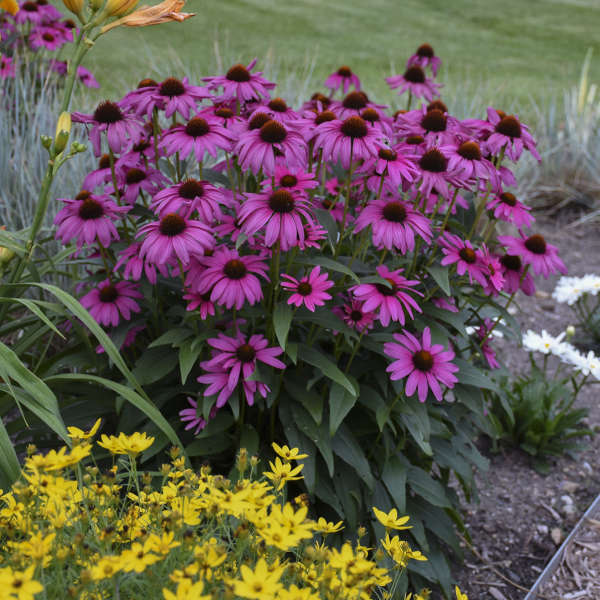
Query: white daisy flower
x=544, y=343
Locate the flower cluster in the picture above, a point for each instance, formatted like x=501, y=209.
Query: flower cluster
x=38, y=27
x=70, y=529
x=256, y=213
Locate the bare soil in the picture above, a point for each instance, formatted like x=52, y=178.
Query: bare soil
x=523, y=516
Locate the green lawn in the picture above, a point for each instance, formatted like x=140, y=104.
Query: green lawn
x=508, y=50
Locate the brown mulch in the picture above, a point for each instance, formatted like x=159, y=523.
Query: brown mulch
x=523, y=516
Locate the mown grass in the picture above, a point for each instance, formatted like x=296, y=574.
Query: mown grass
x=508, y=51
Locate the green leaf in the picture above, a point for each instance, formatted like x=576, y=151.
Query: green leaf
x=328, y=368
x=416, y=419
x=311, y=401
x=428, y=488
x=326, y=219
x=340, y=404
x=172, y=337
x=457, y=320
x=154, y=364
x=440, y=276
x=470, y=375
x=9, y=463
x=394, y=478
x=189, y=352
x=141, y=403
x=32, y=305
x=347, y=447
x=328, y=263
x=208, y=446
x=249, y=439
x=282, y=319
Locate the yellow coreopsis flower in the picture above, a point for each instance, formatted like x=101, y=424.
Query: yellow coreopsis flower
x=37, y=547
x=296, y=593
x=19, y=584
x=282, y=472
x=287, y=453
x=106, y=567
x=131, y=445
x=400, y=551
x=138, y=557
x=57, y=461
x=390, y=520
x=260, y=584
x=459, y=594
x=162, y=544
x=77, y=434
x=9, y=5
x=186, y=590
x=325, y=527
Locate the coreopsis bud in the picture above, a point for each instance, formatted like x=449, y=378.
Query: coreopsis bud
x=63, y=130
x=242, y=461
x=75, y=6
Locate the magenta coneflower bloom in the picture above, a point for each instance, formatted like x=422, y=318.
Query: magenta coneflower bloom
x=224, y=115
x=120, y=127
x=240, y=84
x=512, y=135
x=174, y=95
x=231, y=279
x=87, y=77
x=486, y=350
x=341, y=140
x=429, y=123
x=88, y=218
x=198, y=135
x=47, y=37
x=466, y=156
x=398, y=167
x=314, y=234
x=435, y=173
x=425, y=57
x=7, y=67
x=200, y=302
x=448, y=303
x=309, y=290
x=467, y=259
x=355, y=316
x=256, y=147
x=129, y=340
x=192, y=418
x=293, y=179
x=281, y=213
x=394, y=224
x=174, y=236
x=99, y=176
x=141, y=100
x=507, y=208
x=134, y=265
x=188, y=196
x=238, y=355
x=416, y=82
x=342, y=78
x=278, y=109
x=108, y=302
x=393, y=300
x=133, y=178
x=515, y=276
x=425, y=365
x=494, y=271
x=379, y=120
x=218, y=383
x=535, y=251
x=32, y=12
x=354, y=104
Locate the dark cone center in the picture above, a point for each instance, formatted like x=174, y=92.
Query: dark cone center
x=141, y=146
x=235, y=268
x=104, y=162
x=510, y=262
x=29, y=7
x=304, y=288
x=354, y=127
x=509, y=126
x=423, y=360
x=289, y=180
x=108, y=112
x=197, y=127
x=83, y=194
x=508, y=198
x=144, y=83
x=108, y=293
x=415, y=74
x=171, y=87
x=224, y=112
x=278, y=105
x=281, y=201
x=370, y=115
x=470, y=150
x=134, y=176
x=434, y=120
x=468, y=255
x=238, y=73
x=425, y=51
x=48, y=37
x=385, y=290
x=245, y=353
x=344, y=72
x=258, y=120
x=90, y=209
x=273, y=132
x=356, y=315
x=172, y=225
x=355, y=100
x=318, y=97
x=536, y=244
x=437, y=104
x=190, y=189
x=414, y=140
x=394, y=212
x=325, y=116
x=434, y=161
x=387, y=154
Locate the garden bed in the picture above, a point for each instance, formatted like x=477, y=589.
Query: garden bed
x=523, y=516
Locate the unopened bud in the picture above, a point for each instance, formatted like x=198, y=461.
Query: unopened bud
x=46, y=141
x=6, y=255
x=78, y=147
x=63, y=129
x=116, y=8
x=570, y=331
x=75, y=6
